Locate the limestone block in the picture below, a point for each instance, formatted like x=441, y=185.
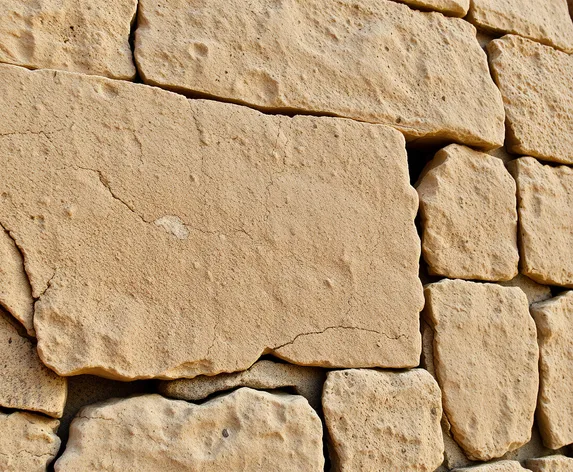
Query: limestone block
x=170, y=238
x=244, y=430
x=545, y=207
x=533, y=291
x=88, y=37
x=447, y=7
x=535, y=82
x=485, y=353
x=383, y=421
x=469, y=216
x=554, y=320
x=500, y=466
x=551, y=464
x=28, y=442
x=372, y=60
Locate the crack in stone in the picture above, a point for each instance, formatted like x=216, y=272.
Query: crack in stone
x=21, y=252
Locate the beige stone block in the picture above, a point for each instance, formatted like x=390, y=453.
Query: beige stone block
x=244, y=430
x=372, y=60
x=485, y=353
x=469, y=217
x=535, y=82
x=500, y=466
x=545, y=207
x=533, y=291
x=383, y=421
x=167, y=237
x=551, y=464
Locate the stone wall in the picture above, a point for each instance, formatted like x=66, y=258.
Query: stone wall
x=284, y=235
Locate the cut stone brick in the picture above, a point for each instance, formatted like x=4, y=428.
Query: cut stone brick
x=501, y=466
x=533, y=291
x=28, y=442
x=372, y=60
x=244, y=430
x=448, y=7
x=535, y=81
x=485, y=352
x=294, y=236
x=551, y=464
x=383, y=420
x=554, y=320
x=545, y=207
x=88, y=37
x=469, y=217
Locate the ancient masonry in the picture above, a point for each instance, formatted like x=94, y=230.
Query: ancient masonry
x=286, y=235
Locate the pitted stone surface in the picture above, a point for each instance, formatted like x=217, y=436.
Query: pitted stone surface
x=371, y=60
x=244, y=430
x=448, y=7
x=545, y=207
x=500, y=466
x=485, y=351
x=301, y=231
x=469, y=216
x=87, y=37
x=383, y=421
x=28, y=442
x=551, y=464
x=554, y=320
x=533, y=291
x=535, y=82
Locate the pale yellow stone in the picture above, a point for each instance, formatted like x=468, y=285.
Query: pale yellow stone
x=551, y=464
x=88, y=37
x=545, y=207
x=501, y=153
x=448, y=7
x=301, y=231
x=546, y=21
x=28, y=442
x=372, y=60
x=501, y=466
x=245, y=430
x=535, y=81
x=383, y=421
x=554, y=320
x=25, y=383
x=533, y=291
x=485, y=353
x=262, y=375
x=469, y=217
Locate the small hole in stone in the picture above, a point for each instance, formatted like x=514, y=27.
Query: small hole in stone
x=225, y=433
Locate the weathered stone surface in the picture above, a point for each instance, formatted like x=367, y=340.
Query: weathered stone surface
x=383, y=421
x=500, y=466
x=535, y=81
x=25, y=383
x=533, y=291
x=372, y=60
x=554, y=320
x=244, y=430
x=263, y=375
x=171, y=238
x=28, y=442
x=551, y=464
x=88, y=37
x=448, y=7
x=501, y=153
x=546, y=21
x=485, y=352
x=545, y=207
x=15, y=291
x=469, y=216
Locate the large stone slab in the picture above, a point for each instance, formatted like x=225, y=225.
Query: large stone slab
x=372, y=60
x=88, y=37
x=551, y=464
x=547, y=22
x=485, y=352
x=383, y=421
x=500, y=466
x=25, y=383
x=545, y=207
x=535, y=83
x=245, y=430
x=448, y=7
x=469, y=217
x=554, y=320
x=28, y=442
x=171, y=238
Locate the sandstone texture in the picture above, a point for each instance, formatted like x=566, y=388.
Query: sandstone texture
x=244, y=430
x=25, y=383
x=501, y=466
x=87, y=37
x=535, y=82
x=545, y=207
x=551, y=464
x=28, y=442
x=305, y=381
x=448, y=7
x=485, y=353
x=469, y=217
x=554, y=320
x=533, y=291
x=545, y=21
x=383, y=421
x=172, y=238
x=371, y=60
